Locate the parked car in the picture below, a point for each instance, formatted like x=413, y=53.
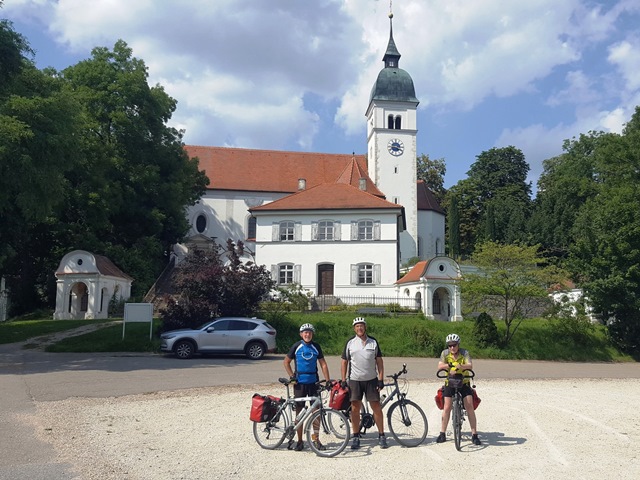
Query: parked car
x=252, y=336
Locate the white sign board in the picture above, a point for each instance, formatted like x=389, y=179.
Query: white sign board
x=138, y=312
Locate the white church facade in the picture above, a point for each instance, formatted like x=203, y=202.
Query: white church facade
x=341, y=226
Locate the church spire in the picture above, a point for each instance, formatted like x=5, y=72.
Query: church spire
x=391, y=56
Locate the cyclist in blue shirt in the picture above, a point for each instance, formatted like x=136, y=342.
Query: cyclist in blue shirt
x=306, y=354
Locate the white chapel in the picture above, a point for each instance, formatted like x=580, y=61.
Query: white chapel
x=339, y=225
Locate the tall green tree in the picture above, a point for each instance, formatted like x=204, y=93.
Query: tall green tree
x=432, y=172
x=453, y=228
x=605, y=257
x=498, y=178
x=128, y=193
x=512, y=279
x=40, y=123
x=566, y=183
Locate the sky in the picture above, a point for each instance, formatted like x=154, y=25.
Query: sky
x=296, y=74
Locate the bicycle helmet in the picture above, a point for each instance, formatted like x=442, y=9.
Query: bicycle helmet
x=453, y=338
x=307, y=326
x=358, y=320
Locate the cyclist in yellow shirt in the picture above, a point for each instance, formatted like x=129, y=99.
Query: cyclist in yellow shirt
x=457, y=360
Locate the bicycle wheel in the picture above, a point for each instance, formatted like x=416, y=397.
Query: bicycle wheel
x=332, y=440
x=270, y=435
x=457, y=421
x=339, y=428
x=407, y=423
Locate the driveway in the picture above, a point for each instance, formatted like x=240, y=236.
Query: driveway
x=35, y=382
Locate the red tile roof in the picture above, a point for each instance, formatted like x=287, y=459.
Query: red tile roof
x=277, y=171
x=328, y=196
x=107, y=267
x=416, y=273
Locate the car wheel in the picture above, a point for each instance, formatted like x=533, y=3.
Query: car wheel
x=184, y=349
x=254, y=350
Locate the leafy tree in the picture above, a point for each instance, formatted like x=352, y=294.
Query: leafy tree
x=213, y=283
x=495, y=199
x=469, y=214
x=605, y=258
x=432, y=172
x=87, y=161
x=564, y=186
x=40, y=123
x=510, y=278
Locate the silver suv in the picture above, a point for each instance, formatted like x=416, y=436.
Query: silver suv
x=252, y=336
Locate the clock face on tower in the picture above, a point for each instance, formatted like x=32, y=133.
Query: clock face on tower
x=395, y=147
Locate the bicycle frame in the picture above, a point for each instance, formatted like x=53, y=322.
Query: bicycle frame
x=406, y=420
x=458, y=411
x=313, y=418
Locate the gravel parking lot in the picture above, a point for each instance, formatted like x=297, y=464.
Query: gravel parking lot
x=533, y=429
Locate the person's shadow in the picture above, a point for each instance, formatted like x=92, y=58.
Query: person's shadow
x=493, y=439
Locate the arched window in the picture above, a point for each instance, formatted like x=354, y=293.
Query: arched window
x=390, y=122
x=398, y=124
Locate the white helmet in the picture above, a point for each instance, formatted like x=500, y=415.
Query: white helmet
x=358, y=320
x=453, y=338
x=307, y=326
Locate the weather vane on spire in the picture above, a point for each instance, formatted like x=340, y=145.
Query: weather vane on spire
x=390, y=8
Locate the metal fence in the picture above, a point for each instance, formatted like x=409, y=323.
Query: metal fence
x=363, y=303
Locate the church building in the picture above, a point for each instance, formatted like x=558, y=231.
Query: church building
x=340, y=225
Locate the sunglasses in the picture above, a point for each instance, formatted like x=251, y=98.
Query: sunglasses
x=452, y=344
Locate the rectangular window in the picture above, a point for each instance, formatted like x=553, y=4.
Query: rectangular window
x=365, y=230
x=365, y=274
x=285, y=274
x=287, y=231
x=325, y=230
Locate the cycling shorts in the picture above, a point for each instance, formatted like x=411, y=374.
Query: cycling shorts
x=369, y=388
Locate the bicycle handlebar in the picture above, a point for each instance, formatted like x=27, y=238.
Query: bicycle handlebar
x=322, y=385
x=396, y=375
x=471, y=373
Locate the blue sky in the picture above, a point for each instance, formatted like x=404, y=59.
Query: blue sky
x=296, y=75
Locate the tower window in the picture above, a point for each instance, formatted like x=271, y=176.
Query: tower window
x=398, y=125
x=390, y=122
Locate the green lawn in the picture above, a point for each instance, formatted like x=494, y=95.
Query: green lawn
x=401, y=336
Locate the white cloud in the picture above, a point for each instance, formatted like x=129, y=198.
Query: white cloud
x=243, y=71
x=625, y=56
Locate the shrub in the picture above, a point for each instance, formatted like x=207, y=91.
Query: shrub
x=571, y=325
x=485, y=331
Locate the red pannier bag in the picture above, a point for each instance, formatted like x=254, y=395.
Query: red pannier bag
x=476, y=399
x=339, y=397
x=263, y=407
x=439, y=398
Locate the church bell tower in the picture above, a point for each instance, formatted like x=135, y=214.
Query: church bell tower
x=391, y=141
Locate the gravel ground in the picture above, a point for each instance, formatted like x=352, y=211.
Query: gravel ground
x=531, y=429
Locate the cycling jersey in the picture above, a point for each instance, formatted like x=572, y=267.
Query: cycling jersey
x=362, y=358
x=306, y=356
x=464, y=357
